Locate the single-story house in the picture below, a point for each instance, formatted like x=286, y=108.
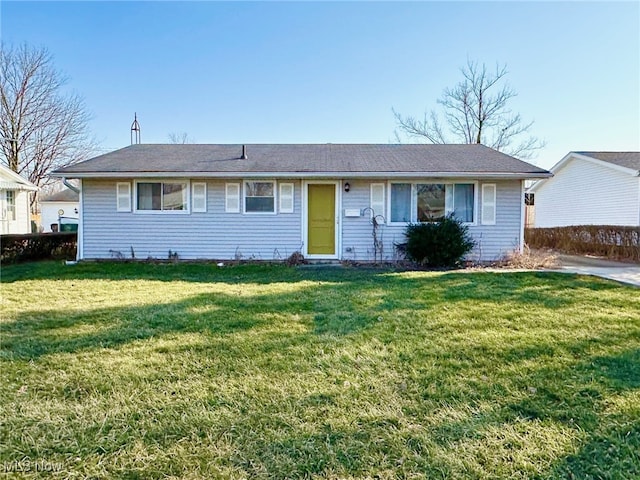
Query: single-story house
x=268, y=201
x=14, y=202
x=58, y=209
x=590, y=188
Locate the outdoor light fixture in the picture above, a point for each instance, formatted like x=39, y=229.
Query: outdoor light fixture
x=347, y=187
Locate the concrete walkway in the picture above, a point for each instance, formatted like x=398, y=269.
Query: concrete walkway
x=618, y=271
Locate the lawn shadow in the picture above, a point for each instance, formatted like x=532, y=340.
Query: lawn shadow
x=340, y=301
x=574, y=397
x=343, y=303
x=34, y=334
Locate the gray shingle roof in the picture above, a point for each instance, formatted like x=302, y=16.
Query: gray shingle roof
x=623, y=159
x=303, y=159
x=66, y=195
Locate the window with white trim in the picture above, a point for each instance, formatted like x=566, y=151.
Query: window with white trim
x=11, y=205
x=123, y=197
x=259, y=197
x=198, y=197
x=286, y=197
x=232, y=198
x=428, y=202
x=489, y=204
x=169, y=196
x=377, y=199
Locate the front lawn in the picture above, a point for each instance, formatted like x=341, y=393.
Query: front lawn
x=195, y=371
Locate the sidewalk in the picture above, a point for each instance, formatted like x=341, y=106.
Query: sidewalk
x=618, y=271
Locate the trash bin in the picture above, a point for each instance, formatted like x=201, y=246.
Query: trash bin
x=69, y=227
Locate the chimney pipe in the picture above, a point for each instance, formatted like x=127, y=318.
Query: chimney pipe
x=244, y=152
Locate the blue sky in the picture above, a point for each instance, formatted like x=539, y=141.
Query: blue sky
x=298, y=72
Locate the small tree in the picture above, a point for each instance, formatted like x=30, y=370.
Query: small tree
x=475, y=111
x=437, y=244
x=180, y=138
x=42, y=129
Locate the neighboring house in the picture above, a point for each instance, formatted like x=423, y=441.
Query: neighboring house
x=269, y=201
x=62, y=207
x=590, y=188
x=14, y=202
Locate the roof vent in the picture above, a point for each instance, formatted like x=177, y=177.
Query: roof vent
x=244, y=152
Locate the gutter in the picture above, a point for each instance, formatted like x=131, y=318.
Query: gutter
x=70, y=186
x=304, y=175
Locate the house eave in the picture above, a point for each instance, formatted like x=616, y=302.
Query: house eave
x=308, y=175
x=17, y=186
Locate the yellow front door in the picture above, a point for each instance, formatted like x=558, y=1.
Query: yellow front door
x=321, y=219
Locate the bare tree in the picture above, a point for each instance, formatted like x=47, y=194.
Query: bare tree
x=475, y=111
x=42, y=128
x=180, y=138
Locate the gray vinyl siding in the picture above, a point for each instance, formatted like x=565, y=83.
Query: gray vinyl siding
x=357, y=232
x=213, y=234
x=492, y=241
x=504, y=238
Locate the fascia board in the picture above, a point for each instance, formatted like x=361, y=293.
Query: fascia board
x=303, y=175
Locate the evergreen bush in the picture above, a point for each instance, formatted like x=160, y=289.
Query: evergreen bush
x=438, y=244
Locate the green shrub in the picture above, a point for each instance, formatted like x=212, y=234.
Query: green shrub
x=437, y=244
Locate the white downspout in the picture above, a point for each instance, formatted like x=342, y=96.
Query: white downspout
x=71, y=186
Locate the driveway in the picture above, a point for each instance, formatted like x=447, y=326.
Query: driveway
x=618, y=271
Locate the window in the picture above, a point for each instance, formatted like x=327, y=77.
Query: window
x=401, y=202
x=428, y=202
x=530, y=199
x=259, y=197
x=123, y=197
x=377, y=200
x=463, y=200
x=162, y=196
x=489, y=204
x=286, y=198
x=232, y=198
x=199, y=197
x=11, y=205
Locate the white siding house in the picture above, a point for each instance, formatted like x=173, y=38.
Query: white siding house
x=590, y=188
x=62, y=207
x=211, y=202
x=15, y=214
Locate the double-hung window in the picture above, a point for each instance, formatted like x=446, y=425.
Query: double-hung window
x=170, y=196
x=259, y=197
x=11, y=205
x=428, y=202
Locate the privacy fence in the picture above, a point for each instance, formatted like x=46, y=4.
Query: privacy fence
x=38, y=246
x=614, y=242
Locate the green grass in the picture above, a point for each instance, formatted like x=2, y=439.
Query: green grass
x=193, y=371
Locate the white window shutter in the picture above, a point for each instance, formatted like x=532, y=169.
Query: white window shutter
x=377, y=199
x=286, y=198
x=199, y=197
x=232, y=198
x=489, y=204
x=123, y=196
